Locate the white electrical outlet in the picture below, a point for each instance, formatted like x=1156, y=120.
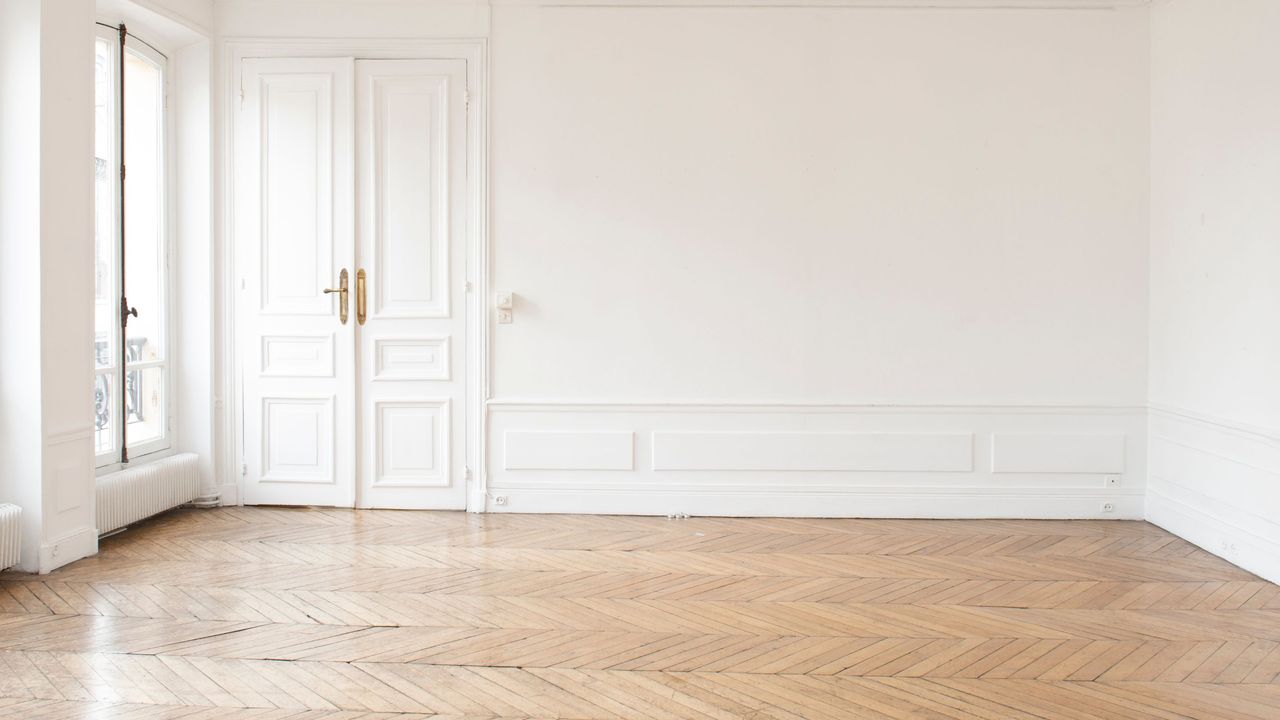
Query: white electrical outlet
x=1108, y=507
x=504, y=299
x=499, y=499
x=1113, y=481
x=504, y=317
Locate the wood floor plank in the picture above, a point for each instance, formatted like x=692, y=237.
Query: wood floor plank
x=323, y=614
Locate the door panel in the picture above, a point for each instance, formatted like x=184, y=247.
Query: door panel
x=410, y=145
x=295, y=233
x=355, y=165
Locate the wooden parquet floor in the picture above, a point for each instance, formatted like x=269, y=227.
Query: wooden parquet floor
x=270, y=613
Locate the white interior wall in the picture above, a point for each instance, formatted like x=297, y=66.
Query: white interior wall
x=1215, y=298
x=648, y=168
x=67, y=284
x=193, y=261
x=46, y=187
x=769, y=210
x=821, y=205
x=735, y=227
x=20, y=401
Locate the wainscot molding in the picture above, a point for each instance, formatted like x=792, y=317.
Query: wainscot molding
x=1216, y=483
x=814, y=460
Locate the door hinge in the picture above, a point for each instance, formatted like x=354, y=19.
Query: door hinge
x=466, y=98
x=244, y=469
x=468, y=286
x=467, y=474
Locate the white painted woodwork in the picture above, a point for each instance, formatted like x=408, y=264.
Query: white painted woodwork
x=295, y=233
x=411, y=150
x=1215, y=300
x=568, y=450
x=802, y=460
x=862, y=452
x=1217, y=485
x=1057, y=453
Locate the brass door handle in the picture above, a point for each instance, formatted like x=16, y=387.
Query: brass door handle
x=342, y=290
x=361, y=312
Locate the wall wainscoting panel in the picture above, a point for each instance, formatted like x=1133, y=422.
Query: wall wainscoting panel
x=1057, y=453
x=817, y=460
x=859, y=452
x=1217, y=485
x=569, y=450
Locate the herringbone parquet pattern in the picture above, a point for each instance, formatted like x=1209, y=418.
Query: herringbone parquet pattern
x=327, y=614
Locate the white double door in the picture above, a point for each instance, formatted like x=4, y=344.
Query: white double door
x=355, y=168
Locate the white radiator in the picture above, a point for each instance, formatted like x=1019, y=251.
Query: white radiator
x=139, y=492
x=10, y=535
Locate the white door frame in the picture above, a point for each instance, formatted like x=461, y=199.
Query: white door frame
x=229, y=395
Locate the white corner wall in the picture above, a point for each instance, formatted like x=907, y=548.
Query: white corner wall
x=1215, y=264
x=20, y=402
x=46, y=219
x=820, y=261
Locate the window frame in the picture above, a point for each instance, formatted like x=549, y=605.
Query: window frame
x=109, y=460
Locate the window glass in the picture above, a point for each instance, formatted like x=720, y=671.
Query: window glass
x=129, y=392
x=105, y=295
x=144, y=207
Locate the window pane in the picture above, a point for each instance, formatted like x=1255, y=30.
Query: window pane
x=145, y=405
x=106, y=296
x=144, y=215
x=104, y=406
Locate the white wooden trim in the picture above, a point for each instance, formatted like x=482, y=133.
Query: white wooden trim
x=1059, y=5
x=767, y=406
x=818, y=460
x=230, y=445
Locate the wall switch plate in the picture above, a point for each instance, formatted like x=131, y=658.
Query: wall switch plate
x=1113, y=481
x=504, y=317
x=503, y=299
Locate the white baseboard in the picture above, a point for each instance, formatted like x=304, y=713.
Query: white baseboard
x=1217, y=485
x=67, y=549
x=817, y=461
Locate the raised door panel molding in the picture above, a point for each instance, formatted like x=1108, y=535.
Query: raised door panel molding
x=412, y=443
x=411, y=182
x=1057, y=453
x=296, y=440
x=801, y=451
x=424, y=358
x=296, y=193
x=569, y=450
x=297, y=355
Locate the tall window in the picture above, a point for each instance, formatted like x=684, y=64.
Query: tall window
x=130, y=388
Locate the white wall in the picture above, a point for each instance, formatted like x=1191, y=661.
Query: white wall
x=193, y=265
x=20, y=402
x=351, y=18
x=772, y=221
x=716, y=219
x=806, y=205
x=1215, y=259
x=46, y=191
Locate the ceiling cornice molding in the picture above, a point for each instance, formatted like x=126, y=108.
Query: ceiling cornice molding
x=867, y=4
x=1058, y=5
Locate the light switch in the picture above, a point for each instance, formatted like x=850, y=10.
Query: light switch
x=502, y=299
